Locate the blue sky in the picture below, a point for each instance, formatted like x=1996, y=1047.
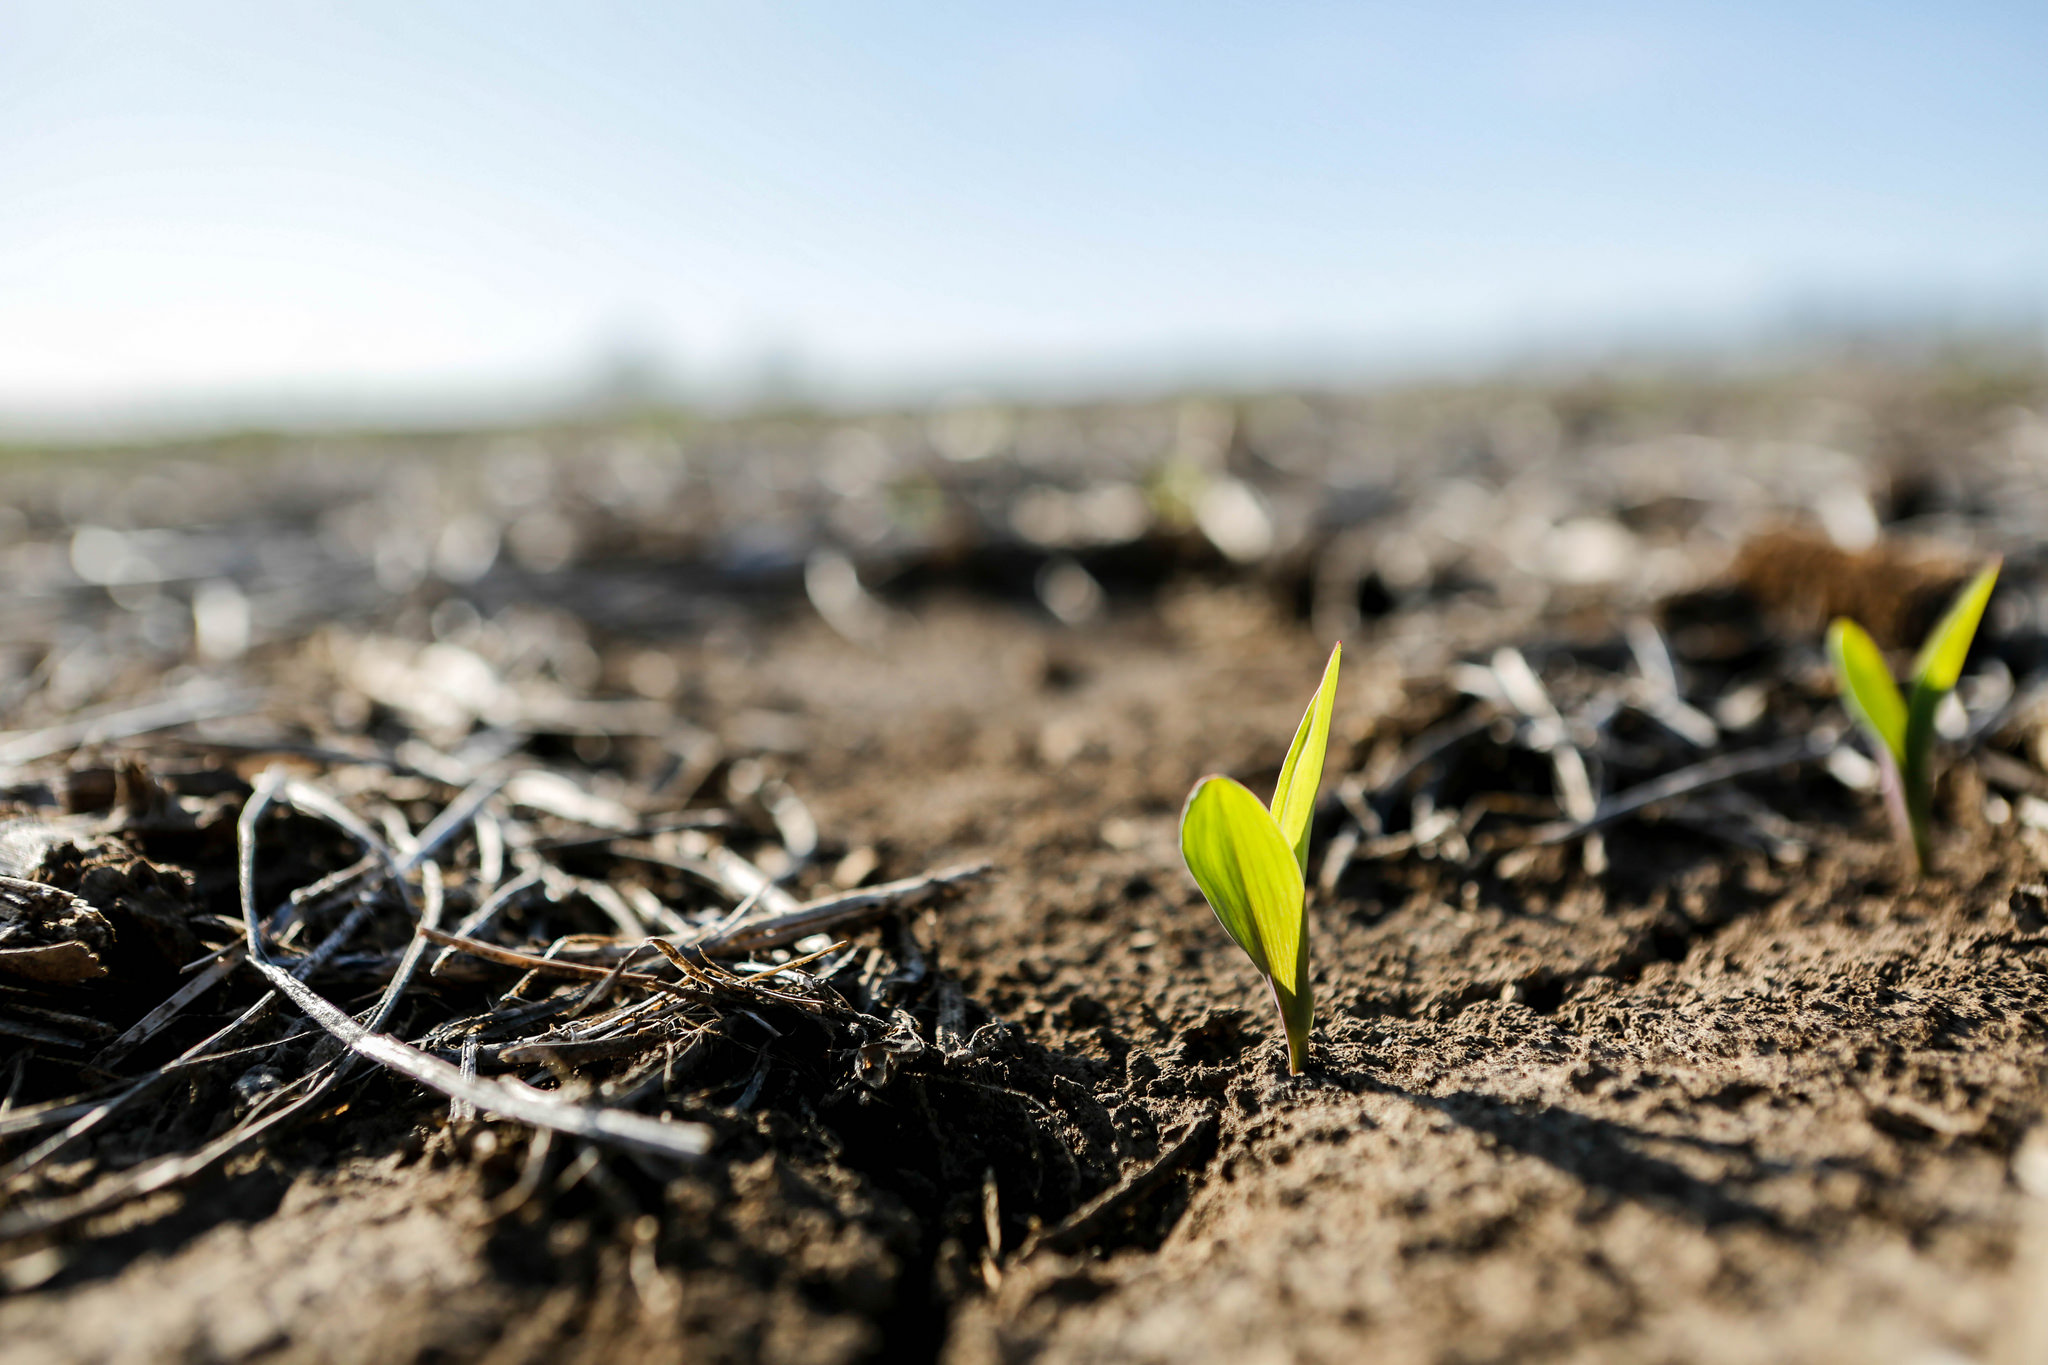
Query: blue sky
x=382, y=202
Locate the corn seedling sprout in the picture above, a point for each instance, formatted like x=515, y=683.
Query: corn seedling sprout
x=1901, y=727
x=1251, y=862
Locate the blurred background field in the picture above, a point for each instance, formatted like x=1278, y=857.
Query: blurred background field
x=1428, y=518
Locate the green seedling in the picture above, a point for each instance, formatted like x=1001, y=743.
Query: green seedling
x=1251, y=862
x=1901, y=728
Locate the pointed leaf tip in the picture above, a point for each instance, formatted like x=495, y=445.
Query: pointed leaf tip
x=1941, y=659
x=1294, y=795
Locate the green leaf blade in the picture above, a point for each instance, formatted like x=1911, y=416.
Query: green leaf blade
x=1249, y=875
x=1867, y=687
x=1294, y=796
x=1941, y=659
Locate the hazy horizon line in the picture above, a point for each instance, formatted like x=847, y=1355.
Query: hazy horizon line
x=621, y=379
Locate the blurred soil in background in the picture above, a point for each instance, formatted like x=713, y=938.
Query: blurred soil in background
x=1605, y=1069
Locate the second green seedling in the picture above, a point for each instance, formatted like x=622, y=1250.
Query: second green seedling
x=1901, y=727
